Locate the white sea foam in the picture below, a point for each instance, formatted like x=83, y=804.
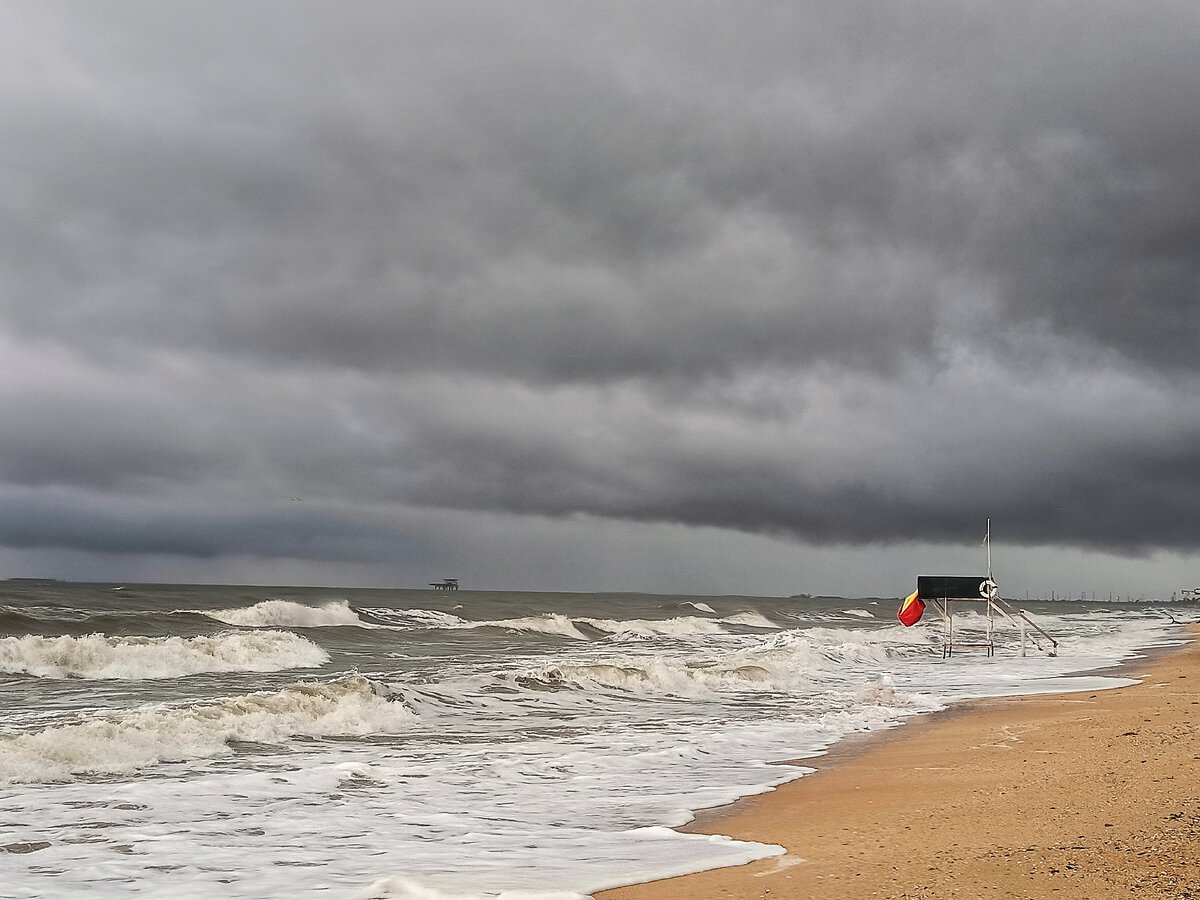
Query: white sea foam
x=287, y=614
x=127, y=741
x=882, y=692
x=671, y=677
x=414, y=618
x=700, y=605
x=551, y=623
x=101, y=656
x=878, y=644
x=406, y=889
x=680, y=626
x=771, y=666
x=787, y=661
x=861, y=613
x=750, y=618
x=536, y=781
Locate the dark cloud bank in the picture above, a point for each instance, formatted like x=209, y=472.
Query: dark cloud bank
x=848, y=273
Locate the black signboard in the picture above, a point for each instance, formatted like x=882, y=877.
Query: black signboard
x=952, y=587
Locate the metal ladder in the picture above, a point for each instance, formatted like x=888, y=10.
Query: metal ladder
x=994, y=605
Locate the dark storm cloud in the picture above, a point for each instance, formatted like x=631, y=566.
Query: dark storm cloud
x=525, y=213
x=848, y=271
x=101, y=525
x=1058, y=468
x=557, y=193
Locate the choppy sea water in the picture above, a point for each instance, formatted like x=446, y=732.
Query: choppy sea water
x=200, y=741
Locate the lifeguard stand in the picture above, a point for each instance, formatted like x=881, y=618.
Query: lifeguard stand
x=944, y=591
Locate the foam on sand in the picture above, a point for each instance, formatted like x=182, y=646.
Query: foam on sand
x=101, y=656
x=127, y=741
x=1085, y=796
x=403, y=889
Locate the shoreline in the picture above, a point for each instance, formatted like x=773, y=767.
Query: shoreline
x=1088, y=793
x=855, y=745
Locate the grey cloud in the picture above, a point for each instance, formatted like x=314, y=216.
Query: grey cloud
x=1057, y=462
x=89, y=523
x=546, y=215
x=648, y=263
x=1121, y=505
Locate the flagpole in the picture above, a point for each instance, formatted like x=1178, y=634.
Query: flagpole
x=988, y=540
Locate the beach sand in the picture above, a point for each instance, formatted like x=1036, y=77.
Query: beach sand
x=1086, y=795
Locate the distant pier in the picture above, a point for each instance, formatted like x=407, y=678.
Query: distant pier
x=446, y=584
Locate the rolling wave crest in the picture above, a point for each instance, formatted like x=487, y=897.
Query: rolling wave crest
x=125, y=742
x=99, y=656
x=678, y=627
x=785, y=662
x=287, y=614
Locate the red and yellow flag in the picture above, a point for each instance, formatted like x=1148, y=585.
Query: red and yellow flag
x=911, y=610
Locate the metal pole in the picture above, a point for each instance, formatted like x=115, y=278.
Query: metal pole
x=988, y=541
x=991, y=611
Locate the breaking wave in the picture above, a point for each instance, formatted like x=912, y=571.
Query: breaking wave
x=550, y=623
x=657, y=676
x=412, y=618
x=786, y=662
x=751, y=619
x=579, y=628
x=679, y=626
x=146, y=736
x=700, y=605
x=287, y=614
x=100, y=656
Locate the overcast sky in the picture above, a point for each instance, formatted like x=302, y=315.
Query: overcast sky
x=771, y=297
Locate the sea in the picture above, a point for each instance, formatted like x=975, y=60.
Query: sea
x=199, y=741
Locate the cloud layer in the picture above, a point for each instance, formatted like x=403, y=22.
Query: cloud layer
x=280, y=277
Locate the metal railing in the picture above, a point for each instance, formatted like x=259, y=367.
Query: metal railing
x=994, y=604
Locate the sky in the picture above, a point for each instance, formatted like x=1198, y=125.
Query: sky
x=770, y=297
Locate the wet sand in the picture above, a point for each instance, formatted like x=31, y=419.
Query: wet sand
x=1085, y=795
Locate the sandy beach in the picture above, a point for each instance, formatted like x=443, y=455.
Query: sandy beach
x=1086, y=795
